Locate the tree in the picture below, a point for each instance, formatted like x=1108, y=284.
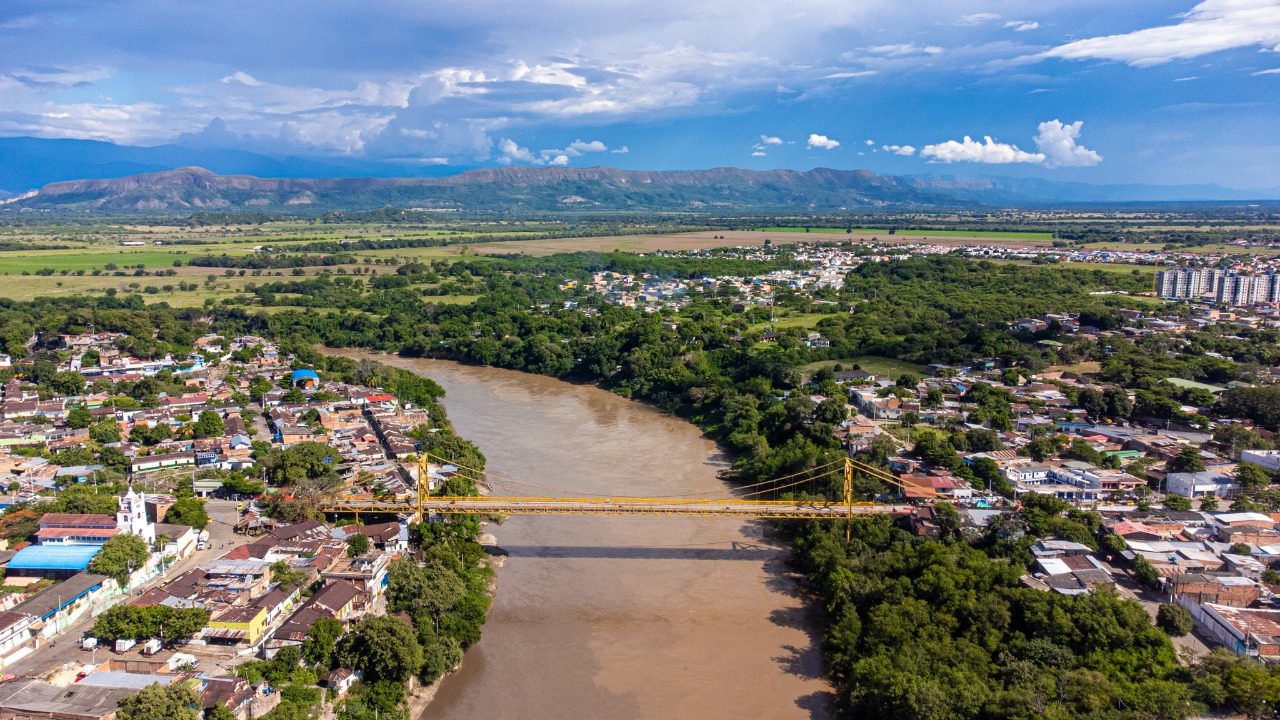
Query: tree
x=440, y=657
x=120, y=556
x=1252, y=477
x=322, y=641
x=219, y=712
x=1146, y=573
x=208, y=425
x=1176, y=502
x=1240, y=549
x=1173, y=619
x=1187, y=461
x=105, y=431
x=1209, y=503
x=357, y=545
x=881, y=448
x=984, y=440
x=384, y=646
x=78, y=418
x=188, y=511
x=155, y=702
x=1113, y=544
x=412, y=587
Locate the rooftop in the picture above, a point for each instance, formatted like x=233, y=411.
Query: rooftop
x=54, y=557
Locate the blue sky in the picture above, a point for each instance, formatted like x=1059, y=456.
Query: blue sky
x=1160, y=91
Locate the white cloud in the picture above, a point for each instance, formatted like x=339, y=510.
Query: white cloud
x=871, y=142
x=1185, y=79
x=757, y=154
x=559, y=160
x=1272, y=71
x=847, y=75
x=1022, y=25
x=511, y=152
x=977, y=18
x=579, y=147
x=1057, y=142
x=621, y=151
x=768, y=140
x=899, y=149
x=898, y=50
x=969, y=150
x=1211, y=26
x=823, y=142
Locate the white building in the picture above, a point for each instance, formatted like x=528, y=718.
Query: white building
x=132, y=517
x=1269, y=459
x=1201, y=484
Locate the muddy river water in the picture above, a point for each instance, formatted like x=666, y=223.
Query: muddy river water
x=621, y=617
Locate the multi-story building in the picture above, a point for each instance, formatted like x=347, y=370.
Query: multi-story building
x=1188, y=283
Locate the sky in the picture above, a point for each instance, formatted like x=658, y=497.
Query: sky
x=1159, y=91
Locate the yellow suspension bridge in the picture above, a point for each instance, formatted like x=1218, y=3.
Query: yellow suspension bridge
x=759, y=500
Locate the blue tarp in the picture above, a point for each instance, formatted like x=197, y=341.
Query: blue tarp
x=54, y=557
x=299, y=375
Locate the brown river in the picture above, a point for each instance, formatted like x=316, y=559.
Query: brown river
x=621, y=617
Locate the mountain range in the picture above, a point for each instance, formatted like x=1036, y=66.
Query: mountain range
x=138, y=180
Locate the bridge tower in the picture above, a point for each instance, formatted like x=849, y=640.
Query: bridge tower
x=848, y=497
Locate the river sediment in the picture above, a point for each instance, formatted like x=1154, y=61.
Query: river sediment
x=621, y=617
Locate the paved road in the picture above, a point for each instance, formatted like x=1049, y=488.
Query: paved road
x=1129, y=588
x=51, y=657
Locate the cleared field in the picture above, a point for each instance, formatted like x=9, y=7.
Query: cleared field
x=1089, y=367
x=1030, y=235
x=882, y=367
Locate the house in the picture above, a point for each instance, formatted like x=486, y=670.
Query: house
x=340, y=681
x=1201, y=484
x=243, y=699
x=23, y=699
x=859, y=376
x=1225, y=590
x=336, y=598
x=233, y=625
x=1246, y=632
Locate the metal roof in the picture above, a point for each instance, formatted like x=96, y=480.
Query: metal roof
x=54, y=557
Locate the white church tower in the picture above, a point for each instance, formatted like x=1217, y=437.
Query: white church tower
x=132, y=517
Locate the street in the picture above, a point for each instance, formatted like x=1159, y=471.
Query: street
x=64, y=648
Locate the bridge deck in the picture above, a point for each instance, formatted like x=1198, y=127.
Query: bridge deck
x=614, y=506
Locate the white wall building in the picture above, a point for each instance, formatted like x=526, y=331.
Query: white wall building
x=1269, y=459
x=132, y=517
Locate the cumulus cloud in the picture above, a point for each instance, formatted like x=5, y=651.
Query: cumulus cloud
x=823, y=142
x=1022, y=25
x=621, y=151
x=510, y=152
x=559, y=161
x=757, y=154
x=968, y=150
x=870, y=142
x=977, y=18
x=899, y=149
x=769, y=140
x=1057, y=142
x=1211, y=26
x=580, y=147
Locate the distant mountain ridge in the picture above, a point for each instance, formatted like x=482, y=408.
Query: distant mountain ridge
x=507, y=188
x=545, y=189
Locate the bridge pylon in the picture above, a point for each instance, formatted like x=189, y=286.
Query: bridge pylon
x=848, y=498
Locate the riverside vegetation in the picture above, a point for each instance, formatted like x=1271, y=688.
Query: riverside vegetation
x=936, y=629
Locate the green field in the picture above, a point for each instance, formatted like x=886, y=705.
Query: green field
x=918, y=233
x=882, y=367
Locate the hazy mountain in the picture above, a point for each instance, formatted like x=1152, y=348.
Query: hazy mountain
x=191, y=189
x=508, y=188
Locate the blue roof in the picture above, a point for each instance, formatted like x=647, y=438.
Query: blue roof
x=305, y=374
x=54, y=557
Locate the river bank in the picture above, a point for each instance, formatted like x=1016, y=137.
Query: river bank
x=613, y=616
